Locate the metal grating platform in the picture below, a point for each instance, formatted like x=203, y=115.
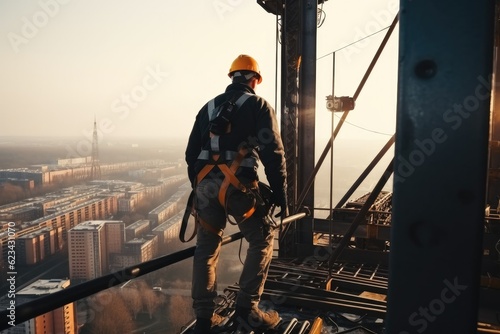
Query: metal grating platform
x=310, y=298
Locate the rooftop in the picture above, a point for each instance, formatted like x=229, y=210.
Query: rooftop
x=44, y=287
x=92, y=225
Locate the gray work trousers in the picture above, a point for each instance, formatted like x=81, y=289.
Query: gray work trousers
x=208, y=245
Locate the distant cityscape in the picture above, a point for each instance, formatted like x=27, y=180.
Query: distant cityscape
x=92, y=224
x=78, y=218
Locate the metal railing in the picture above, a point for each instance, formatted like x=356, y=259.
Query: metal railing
x=47, y=303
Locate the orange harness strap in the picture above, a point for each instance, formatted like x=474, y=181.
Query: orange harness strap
x=198, y=222
x=229, y=177
x=209, y=227
x=206, y=169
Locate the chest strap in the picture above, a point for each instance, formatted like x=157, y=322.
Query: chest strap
x=250, y=162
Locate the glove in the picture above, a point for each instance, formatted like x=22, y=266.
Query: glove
x=282, y=213
x=282, y=203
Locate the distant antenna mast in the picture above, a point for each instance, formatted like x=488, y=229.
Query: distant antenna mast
x=95, y=168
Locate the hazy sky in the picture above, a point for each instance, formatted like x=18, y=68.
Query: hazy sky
x=145, y=68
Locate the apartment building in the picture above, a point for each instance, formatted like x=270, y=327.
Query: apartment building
x=62, y=320
x=90, y=245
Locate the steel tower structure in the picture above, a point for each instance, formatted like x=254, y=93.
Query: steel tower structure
x=95, y=168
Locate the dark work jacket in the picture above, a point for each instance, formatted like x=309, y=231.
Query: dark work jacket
x=253, y=125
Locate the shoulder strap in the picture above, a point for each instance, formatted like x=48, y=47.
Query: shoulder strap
x=238, y=100
x=211, y=109
x=213, y=112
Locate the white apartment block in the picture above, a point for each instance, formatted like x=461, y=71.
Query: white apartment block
x=90, y=245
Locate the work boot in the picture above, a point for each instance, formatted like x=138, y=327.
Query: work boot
x=217, y=320
x=255, y=318
x=204, y=325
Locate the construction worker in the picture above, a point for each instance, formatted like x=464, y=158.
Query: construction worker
x=214, y=151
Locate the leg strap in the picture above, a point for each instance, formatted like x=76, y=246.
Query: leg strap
x=209, y=227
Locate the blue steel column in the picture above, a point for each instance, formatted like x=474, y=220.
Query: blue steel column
x=307, y=118
x=493, y=196
x=445, y=66
x=290, y=39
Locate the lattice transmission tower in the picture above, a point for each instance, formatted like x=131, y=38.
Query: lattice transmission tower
x=95, y=168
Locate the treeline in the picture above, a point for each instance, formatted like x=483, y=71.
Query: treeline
x=10, y=193
x=122, y=310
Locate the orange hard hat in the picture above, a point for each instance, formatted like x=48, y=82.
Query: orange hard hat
x=245, y=63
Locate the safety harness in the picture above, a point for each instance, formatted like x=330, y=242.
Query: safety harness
x=219, y=159
x=229, y=177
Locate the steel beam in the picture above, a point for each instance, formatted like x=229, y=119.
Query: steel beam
x=290, y=53
x=378, y=232
x=343, y=281
x=321, y=303
x=493, y=196
x=307, y=117
x=298, y=116
x=445, y=66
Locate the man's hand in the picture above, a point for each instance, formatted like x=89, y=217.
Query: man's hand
x=282, y=203
x=282, y=213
